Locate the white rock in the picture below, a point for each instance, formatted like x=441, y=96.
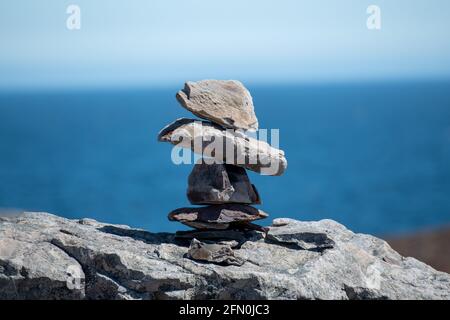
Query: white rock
x=225, y=146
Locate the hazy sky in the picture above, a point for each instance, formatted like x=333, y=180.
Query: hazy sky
x=151, y=42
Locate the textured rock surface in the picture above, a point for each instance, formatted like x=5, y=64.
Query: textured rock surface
x=220, y=183
x=221, y=216
x=118, y=262
x=226, y=146
x=299, y=236
x=225, y=102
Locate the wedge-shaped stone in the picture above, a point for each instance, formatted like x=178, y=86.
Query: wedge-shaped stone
x=225, y=146
x=220, y=183
x=218, y=217
x=225, y=102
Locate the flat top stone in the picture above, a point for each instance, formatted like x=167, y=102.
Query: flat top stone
x=223, y=213
x=224, y=102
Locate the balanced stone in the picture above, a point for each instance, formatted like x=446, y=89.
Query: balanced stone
x=213, y=235
x=225, y=102
x=251, y=231
x=219, y=217
x=220, y=183
x=225, y=146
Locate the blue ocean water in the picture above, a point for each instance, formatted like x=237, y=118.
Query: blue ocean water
x=375, y=157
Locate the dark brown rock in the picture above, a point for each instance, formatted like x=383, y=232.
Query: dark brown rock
x=211, y=235
x=220, y=183
x=221, y=216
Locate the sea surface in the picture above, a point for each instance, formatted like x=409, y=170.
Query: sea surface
x=373, y=156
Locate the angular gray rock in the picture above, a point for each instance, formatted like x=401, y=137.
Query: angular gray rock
x=299, y=236
x=39, y=254
x=225, y=102
x=220, y=183
x=225, y=146
x=221, y=216
x=212, y=252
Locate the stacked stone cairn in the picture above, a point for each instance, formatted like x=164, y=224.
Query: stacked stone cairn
x=219, y=181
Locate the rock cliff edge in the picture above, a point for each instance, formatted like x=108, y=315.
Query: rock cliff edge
x=43, y=256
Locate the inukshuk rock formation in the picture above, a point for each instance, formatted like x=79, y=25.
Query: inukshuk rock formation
x=219, y=181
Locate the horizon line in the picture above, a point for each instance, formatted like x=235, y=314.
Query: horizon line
x=152, y=85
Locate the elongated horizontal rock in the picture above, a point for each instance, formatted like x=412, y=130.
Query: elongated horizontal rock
x=214, y=235
x=225, y=146
x=305, y=240
x=220, y=183
x=225, y=102
x=217, y=216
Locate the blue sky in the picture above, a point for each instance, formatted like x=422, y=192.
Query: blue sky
x=151, y=43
